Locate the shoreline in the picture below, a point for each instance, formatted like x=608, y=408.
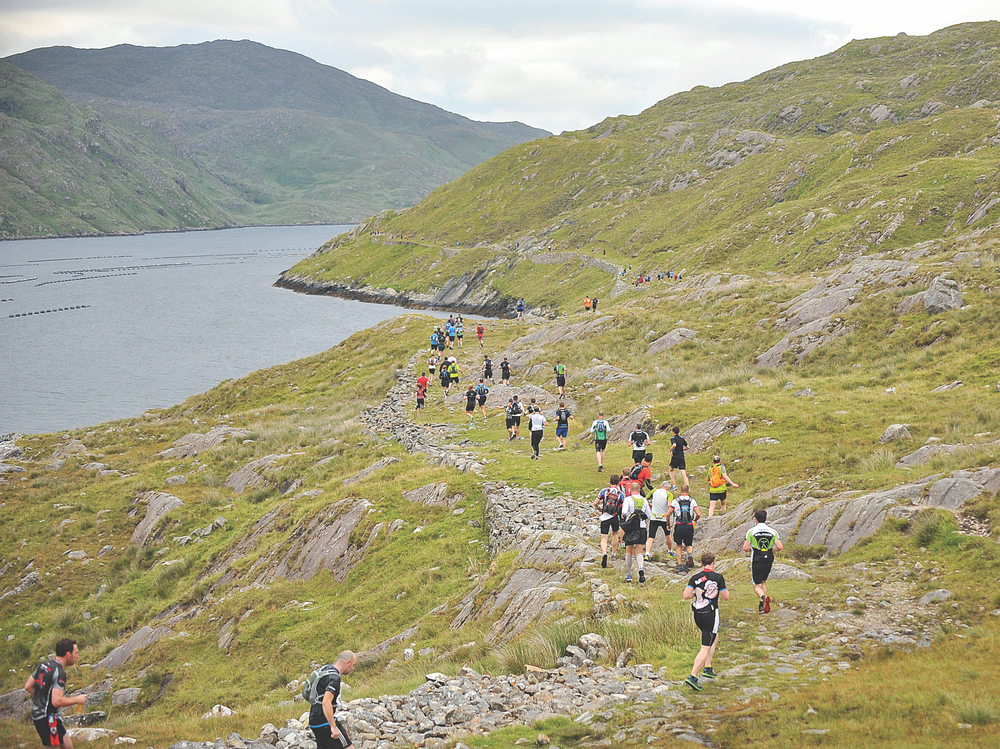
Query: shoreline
x=106, y=235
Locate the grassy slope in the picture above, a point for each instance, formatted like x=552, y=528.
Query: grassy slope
x=770, y=193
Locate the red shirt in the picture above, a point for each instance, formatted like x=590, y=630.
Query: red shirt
x=422, y=382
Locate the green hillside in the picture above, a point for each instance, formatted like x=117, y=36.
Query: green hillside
x=882, y=144
x=255, y=135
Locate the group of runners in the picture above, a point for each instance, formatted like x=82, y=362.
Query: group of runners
x=452, y=333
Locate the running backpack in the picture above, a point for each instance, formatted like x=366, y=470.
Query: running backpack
x=685, y=516
x=613, y=495
x=715, y=479
x=636, y=470
x=638, y=439
x=601, y=430
x=632, y=522
x=310, y=687
x=482, y=389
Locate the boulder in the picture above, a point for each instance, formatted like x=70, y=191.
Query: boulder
x=671, y=339
x=249, y=476
x=434, y=495
x=158, y=504
x=952, y=493
x=9, y=450
x=9, y=468
x=701, y=435
x=803, y=393
x=141, y=639
x=28, y=581
x=766, y=441
x=175, y=480
x=781, y=571
x=90, y=734
x=192, y=444
x=595, y=646
x=943, y=294
x=908, y=304
x=72, y=447
x=376, y=466
x=126, y=696
x=15, y=705
x=935, y=596
x=373, y=654
x=953, y=385
x=895, y=432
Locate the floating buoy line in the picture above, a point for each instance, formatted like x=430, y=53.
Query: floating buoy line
x=47, y=311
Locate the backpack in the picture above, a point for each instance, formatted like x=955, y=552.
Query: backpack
x=608, y=495
x=685, y=516
x=601, y=430
x=715, y=479
x=310, y=687
x=482, y=389
x=515, y=408
x=632, y=522
x=638, y=439
x=636, y=470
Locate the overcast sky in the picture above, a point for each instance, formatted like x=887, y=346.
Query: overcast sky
x=554, y=64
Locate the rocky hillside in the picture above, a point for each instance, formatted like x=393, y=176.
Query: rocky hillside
x=882, y=144
x=217, y=134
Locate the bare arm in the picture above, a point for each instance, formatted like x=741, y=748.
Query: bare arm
x=29, y=686
x=59, y=698
x=746, y=545
x=778, y=545
x=328, y=712
x=697, y=513
x=688, y=593
x=724, y=594
x=731, y=482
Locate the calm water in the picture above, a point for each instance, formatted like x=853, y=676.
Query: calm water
x=162, y=317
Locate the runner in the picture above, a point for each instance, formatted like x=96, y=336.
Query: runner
x=609, y=502
x=659, y=518
x=685, y=512
x=639, y=439
x=453, y=370
x=441, y=340
x=560, y=371
x=520, y=309
x=470, y=404
x=644, y=476
x=47, y=687
x=704, y=591
x=488, y=368
x=586, y=304
x=505, y=371
x=481, y=392
x=516, y=409
x=432, y=362
x=634, y=512
x=509, y=418
x=563, y=418
x=480, y=330
x=449, y=329
x=762, y=541
x=422, y=383
x=536, y=424
x=445, y=378
x=593, y=304
x=717, y=481
x=434, y=341
x=460, y=332
x=677, y=460
x=330, y=732
x=600, y=429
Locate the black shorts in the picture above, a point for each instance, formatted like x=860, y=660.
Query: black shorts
x=683, y=534
x=636, y=537
x=51, y=730
x=601, y=445
x=678, y=464
x=505, y=376
x=487, y=374
x=510, y=422
x=516, y=420
x=441, y=346
x=482, y=400
x=420, y=402
x=470, y=406
x=638, y=454
x=325, y=740
x=655, y=525
x=760, y=568
x=717, y=496
x=708, y=623
x=607, y=526
x=445, y=382
x=560, y=380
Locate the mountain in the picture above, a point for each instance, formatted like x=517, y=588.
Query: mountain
x=260, y=135
x=881, y=144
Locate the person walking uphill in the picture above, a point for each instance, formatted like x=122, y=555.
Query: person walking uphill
x=705, y=590
x=560, y=372
x=505, y=372
x=639, y=439
x=634, y=514
x=718, y=480
x=600, y=429
x=677, y=459
x=470, y=404
x=659, y=518
x=536, y=424
x=685, y=512
x=563, y=418
x=609, y=502
x=330, y=732
x=761, y=541
x=47, y=687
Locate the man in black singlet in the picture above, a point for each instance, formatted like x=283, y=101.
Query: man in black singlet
x=47, y=687
x=705, y=590
x=505, y=371
x=330, y=732
x=488, y=368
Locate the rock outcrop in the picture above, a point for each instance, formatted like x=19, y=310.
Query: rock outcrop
x=367, y=472
x=942, y=295
x=251, y=475
x=158, y=504
x=671, y=339
x=895, y=432
x=702, y=434
x=121, y=655
x=192, y=444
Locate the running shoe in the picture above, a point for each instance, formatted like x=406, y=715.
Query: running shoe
x=672, y=554
x=645, y=557
x=708, y=673
x=767, y=604
x=600, y=468
x=604, y=563
x=642, y=576
x=693, y=683
x=690, y=562
x=760, y=606
x=628, y=578
x=681, y=569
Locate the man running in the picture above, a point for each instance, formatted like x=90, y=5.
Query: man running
x=505, y=371
x=481, y=392
x=449, y=329
x=460, y=332
x=520, y=309
x=432, y=362
x=600, y=429
x=659, y=518
x=563, y=417
x=441, y=340
x=514, y=416
x=677, y=460
x=536, y=425
x=488, y=368
x=685, y=513
x=453, y=370
x=634, y=512
x=421, y=393
x=718, y=480
x=560, y=371
x=704, y=590
x=47, y=687
x=445, y=378
x=639, y=439
x=609, y=502
x=644, y=476
x=761, y=541
x=470, y=404
x=480, y=331
x=328, y=731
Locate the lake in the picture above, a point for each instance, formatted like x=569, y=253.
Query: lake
x=125, y=324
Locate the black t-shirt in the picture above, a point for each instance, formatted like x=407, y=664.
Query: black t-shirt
x=470, y=397
x=678, y=444
x=505, y=369
x=638, y=439
x=707, y=585
x=562, y=417
x=327, y=683
x=49, y=674
x=487, y=365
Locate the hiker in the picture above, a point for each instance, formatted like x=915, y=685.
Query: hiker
x=470, y=404
x=600, y=429
x=330, y=732
x=536, y=425
x=609, y=502
x=481, y=392
x=450, y=330
x=704, y=590
x=560, y=372
x=639, y=439
x=634, y=513
x=488, y=368
x=520, y=309
x=47, y=687
x=514, y=411
x=422, y=383
x=460, y=331
x=453, y=370
x=718, y=479
x=563, y=417
x=505, y=372
x=685, y=513
x=480, y=330
x=677, y=460
x=643, y=474
x=659, y=519
x=593, y=304
x=445, y=377
x=586, y=304
x=762, y=541
x=432, y=362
